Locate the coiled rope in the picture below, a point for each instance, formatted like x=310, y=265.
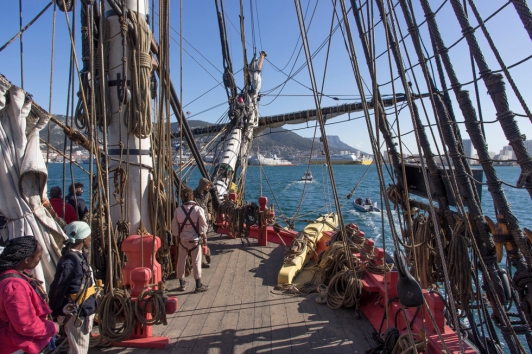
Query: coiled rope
x=460, y=268
x=154, y=300
x=421, y=251
x=138, y=118
x=344, y=289
x=115, y=308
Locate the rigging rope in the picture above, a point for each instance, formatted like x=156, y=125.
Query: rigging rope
x=139, y=117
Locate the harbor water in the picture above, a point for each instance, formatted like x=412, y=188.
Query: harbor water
x=299, y=201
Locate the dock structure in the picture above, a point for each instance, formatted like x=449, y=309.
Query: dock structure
x=241, y=314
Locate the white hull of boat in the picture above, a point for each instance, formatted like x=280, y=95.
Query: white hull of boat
x=349, y=159
x=268, y=161
x=365, y=208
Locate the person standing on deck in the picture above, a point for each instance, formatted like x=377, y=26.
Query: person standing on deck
x=189, y=225
x=72, y=297
x=24, y=327
x=56, y=199
x=74, y=198
x=202, y=196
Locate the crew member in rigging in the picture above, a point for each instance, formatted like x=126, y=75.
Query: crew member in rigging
x=189, y=225
x=72, y=293
x=24, y=327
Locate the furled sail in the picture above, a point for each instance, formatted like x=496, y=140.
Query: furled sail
x=23, y=177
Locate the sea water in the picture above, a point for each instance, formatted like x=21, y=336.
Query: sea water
x=298, y=201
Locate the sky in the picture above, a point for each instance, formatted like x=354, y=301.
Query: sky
x=276, y=31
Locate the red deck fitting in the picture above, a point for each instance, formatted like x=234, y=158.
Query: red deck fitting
x=138, y=275
x=373, y=305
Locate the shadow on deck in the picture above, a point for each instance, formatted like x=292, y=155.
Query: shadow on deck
x=240, y=314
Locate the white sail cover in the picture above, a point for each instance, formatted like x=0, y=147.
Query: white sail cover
x=23, y=177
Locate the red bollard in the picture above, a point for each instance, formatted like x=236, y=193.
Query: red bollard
x=138, y=278
x=132, y=248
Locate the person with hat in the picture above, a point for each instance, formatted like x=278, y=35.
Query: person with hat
x=202, y=196
x=190, y=227
x=24, y=326
x=72, y=293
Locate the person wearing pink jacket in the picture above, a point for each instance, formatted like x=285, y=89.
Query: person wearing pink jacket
x=24, y=326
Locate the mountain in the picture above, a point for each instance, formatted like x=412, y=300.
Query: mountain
x=336, y=144
x=278, y=141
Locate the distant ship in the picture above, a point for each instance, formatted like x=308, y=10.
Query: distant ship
x=268, y=161
x=347, y=159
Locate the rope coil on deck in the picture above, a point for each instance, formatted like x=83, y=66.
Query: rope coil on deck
x=157, y=301
x=114, y=308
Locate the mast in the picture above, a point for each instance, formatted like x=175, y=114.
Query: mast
x=243, y=110
x=241, y=135
x=129, y=146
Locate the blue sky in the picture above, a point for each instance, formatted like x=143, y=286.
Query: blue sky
x=276, y=32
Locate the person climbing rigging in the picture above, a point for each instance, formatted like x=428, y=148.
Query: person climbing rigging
x=56, y=199
x=24, y=327
x=74, y=198
x=189, y=225
x=72, y=293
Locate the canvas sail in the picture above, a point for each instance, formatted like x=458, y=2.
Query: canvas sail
x=23, y=177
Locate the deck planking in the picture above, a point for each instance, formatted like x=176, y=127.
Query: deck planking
x=240, y=314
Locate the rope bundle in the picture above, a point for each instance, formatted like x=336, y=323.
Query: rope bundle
x=460, y=268
x=344, y=289
x=355, y=236
x=377, y=268
x=156, y=300
x=367, y=252
x=421, y=252
x=139, y=117
x=158, y=201
x=333, y=261
x=303, y=243
x=116, y=307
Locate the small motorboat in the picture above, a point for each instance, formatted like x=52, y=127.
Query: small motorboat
x=365, y=206
x=307, y=176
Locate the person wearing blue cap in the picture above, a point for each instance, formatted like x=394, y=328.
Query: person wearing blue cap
x=72, y=293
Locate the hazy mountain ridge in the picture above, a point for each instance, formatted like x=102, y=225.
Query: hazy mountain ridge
x=278, y=141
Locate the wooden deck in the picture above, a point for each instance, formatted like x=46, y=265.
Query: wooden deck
x=240, y=314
